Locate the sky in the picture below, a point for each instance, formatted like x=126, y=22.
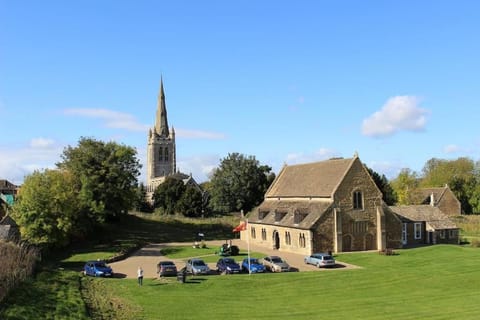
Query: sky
x=289, y=82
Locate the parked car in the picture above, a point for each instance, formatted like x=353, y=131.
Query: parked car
x=197, y=266
x=320, y=260
x=275, y=264
x=253, y=267
x=166, y=268
x=227, y=265
x=97, y=269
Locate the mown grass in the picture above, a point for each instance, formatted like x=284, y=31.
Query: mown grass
x=437, y=282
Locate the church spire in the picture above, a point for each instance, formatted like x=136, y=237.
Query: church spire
x=161, y=122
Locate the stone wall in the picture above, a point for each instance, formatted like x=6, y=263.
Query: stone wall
x=449, y=204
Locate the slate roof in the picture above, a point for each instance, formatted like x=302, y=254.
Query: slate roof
x=308, y=212
x=433, y=216
x=318, y=179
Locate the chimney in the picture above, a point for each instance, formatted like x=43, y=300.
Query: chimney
x=432, y=200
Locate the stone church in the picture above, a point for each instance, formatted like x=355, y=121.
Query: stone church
x=334, y=205
x=161, y=151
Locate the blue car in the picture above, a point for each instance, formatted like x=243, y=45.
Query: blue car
x=227, y=265
x=253, y=267
x=97, y=269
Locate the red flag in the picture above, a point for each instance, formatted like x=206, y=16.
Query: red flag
x=241, y=227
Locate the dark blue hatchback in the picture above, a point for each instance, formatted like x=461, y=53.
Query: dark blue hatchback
x=97, y=269
x=227, y=265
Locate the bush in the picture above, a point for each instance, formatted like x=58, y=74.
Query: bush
x=475, y=243
x=18, y=263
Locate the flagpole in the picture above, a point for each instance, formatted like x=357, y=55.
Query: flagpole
x=248, y=247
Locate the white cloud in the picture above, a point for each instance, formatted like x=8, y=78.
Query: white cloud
x=16, y=163
x=41, y=143
x=319, y=155
x=451, y=148
x=111, y=118
x=398, y=113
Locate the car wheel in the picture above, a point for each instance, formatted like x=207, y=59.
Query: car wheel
x=318, y=265
x=306, y=262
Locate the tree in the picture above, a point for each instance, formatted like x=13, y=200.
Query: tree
x=140, y=203
x=47, y=208
x=168, y=194
x=107, y=175
x=404, y=184
x=388, y=195
x=190, y=203
x=239, y=183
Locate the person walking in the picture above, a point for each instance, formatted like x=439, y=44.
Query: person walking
x=140, y=276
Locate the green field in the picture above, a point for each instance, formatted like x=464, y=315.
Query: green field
x=434, y=282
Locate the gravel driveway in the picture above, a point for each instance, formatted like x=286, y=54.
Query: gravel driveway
x=150, y=255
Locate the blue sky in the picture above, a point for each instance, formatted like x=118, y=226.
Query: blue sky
x=285, y=81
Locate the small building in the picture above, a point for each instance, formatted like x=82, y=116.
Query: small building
x=425, y=224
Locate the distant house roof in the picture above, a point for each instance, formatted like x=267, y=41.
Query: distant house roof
x=423, y=195
x=433, y=216
x=9, y=229
x=318, y=179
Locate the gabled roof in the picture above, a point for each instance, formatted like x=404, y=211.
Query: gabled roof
x=422, y=195
x=270, y=210
x=317, y=179
x=433, y=216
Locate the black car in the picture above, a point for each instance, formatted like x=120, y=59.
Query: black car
x=166, y=268
x=227, y=265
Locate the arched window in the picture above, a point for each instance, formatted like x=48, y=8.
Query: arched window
x=288, y=239
x=357, y=200
x=166, y=154
x=253, y=233
x=160, y=154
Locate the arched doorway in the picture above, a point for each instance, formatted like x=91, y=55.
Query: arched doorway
x=276, y=240
x=347, y=243
x=369, y=242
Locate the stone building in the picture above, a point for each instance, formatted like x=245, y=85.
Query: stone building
x=335, y=205
x=161, y=151
x=332, y=205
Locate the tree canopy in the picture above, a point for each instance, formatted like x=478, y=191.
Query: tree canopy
x=47, y=208
x=106, y=173
x=239, y=183
x=388, y=194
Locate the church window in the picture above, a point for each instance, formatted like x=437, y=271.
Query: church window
x=166, y=154
x=288, y=239
x=264, y=234
x=301, y=240
x=160, y=154
x=253, y=233
x=357, y=200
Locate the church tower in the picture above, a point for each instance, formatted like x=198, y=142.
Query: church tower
x=161, y=151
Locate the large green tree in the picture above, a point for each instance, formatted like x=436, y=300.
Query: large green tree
x=190, y=203
x=239, y=183
x=47, y=208
x=404, y=184
x=168, y=194
x=106, y=173
x=388, y=194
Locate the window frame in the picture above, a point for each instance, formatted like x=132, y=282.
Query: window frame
x=357, y=198
x=417, y=230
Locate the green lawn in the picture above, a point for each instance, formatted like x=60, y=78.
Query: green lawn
x=437, y=282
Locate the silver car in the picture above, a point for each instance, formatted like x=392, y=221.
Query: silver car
x=275, y=264
x=320, y=260
x=197, y=266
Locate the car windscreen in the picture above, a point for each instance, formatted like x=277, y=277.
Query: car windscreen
x=198, y=263
x=277, y=260
x=229, y=261
x=100, y=265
